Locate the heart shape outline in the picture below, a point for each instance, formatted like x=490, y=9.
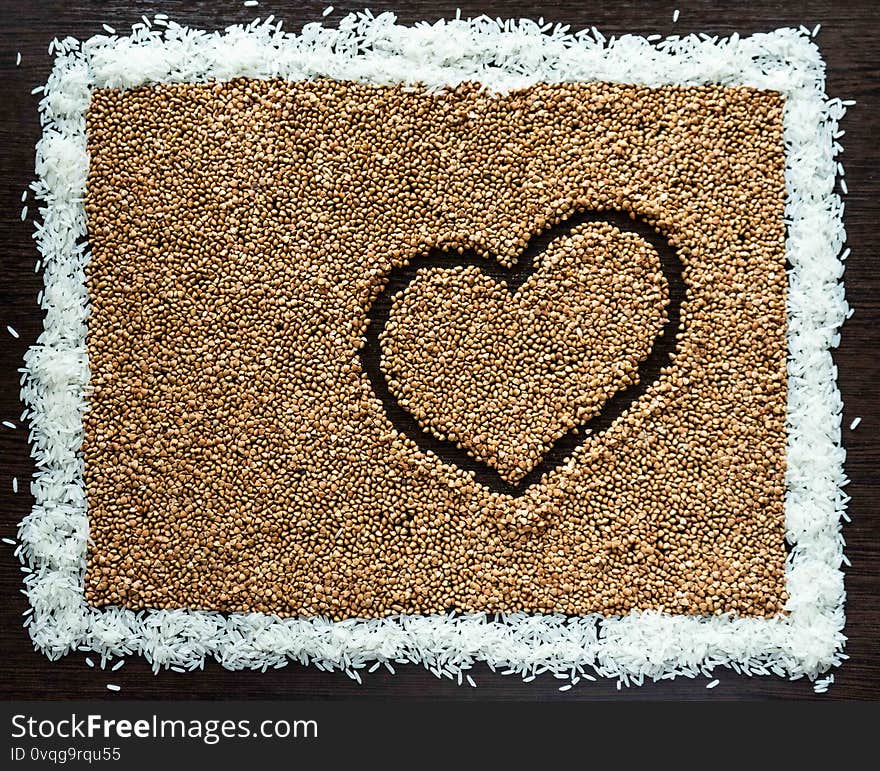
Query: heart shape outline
x=662, y=348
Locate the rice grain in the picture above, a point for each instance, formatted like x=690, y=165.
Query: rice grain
x=620, y=643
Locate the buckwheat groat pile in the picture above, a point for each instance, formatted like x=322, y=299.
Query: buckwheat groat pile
x=236, y=456
x=505, y=376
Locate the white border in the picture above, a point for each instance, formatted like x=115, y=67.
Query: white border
x=502, y=55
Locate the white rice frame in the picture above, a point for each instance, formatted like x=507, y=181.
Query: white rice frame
x=502, y=55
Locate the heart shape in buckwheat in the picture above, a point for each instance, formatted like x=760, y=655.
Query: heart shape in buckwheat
x=508, y=374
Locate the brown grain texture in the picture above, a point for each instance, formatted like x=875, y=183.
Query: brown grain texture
x=236, y=457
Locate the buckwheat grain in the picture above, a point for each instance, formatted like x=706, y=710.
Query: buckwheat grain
x=236, y=457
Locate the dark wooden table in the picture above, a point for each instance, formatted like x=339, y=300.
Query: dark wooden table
x=849, y=42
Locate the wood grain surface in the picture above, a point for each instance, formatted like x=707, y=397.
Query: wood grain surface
x=849, y=43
